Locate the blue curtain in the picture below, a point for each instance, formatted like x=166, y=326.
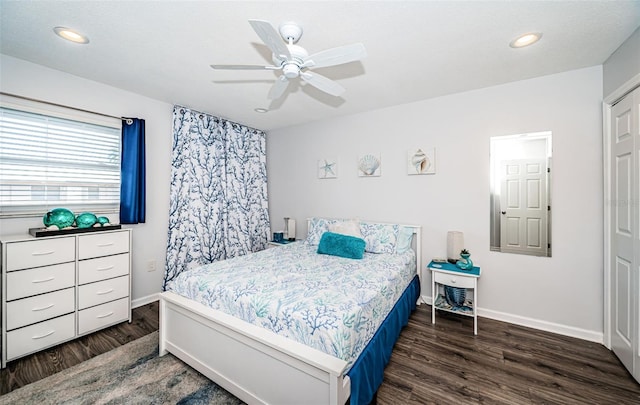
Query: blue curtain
x=132, y=172
x=218, y=201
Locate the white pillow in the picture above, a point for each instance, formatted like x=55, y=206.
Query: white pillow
x=350, y=227
x=317, y=227
x=403, y=242
x=380, y=238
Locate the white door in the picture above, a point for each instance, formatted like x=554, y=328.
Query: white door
x=624, y=231
x=524, y=206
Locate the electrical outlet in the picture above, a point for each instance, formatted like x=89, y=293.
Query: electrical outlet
x=152, y=265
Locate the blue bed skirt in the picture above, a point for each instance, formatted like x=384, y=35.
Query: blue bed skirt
x=367, y=372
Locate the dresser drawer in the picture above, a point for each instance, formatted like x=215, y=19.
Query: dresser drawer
x=102, y=268
x=39, y=308
x=36, y=253
x=37, y=337
x=26, y=283
x=103, y=315
x=454, y=280
x=93, y=294
x=102, y=244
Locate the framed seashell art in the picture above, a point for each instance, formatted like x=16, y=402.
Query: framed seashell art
x=369, y=165
x=328, y=168
x=421, y=161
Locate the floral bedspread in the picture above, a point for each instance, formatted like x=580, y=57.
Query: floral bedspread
x=330, y=303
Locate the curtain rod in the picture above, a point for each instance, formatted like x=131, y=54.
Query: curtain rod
x=61, y=105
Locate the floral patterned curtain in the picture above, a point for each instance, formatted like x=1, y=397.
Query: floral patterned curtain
x=218, y=207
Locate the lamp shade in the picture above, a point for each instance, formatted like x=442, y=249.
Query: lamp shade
x=455, y=243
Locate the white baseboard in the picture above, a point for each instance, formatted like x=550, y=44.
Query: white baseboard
x=138, y=302
x=592, y=336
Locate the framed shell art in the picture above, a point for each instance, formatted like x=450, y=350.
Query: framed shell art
x=369, y=165
x=421, y=161
x=328, y=168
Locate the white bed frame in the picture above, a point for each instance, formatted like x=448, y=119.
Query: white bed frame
x=254, y=364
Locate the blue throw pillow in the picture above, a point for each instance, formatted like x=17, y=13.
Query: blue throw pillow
x=336, y=244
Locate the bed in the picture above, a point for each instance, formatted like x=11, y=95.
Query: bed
x=290, y=326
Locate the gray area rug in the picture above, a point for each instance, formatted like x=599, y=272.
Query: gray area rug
x=130, y=374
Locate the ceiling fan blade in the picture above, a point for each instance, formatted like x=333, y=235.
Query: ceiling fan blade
x=245, y=67
x=271, y=38
x=336, y=56
x=322, y=83
x=278, y=88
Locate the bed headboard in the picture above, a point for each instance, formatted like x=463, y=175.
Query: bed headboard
x=416, y=242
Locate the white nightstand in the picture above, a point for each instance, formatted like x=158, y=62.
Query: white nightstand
x=447, y=274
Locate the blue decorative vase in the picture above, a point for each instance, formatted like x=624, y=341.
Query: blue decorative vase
x=60, y=217
x=86, y=220
x=103, y=220
x=465, y=263
x=455, y=296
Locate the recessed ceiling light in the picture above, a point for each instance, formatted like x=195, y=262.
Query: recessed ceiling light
x=261, y=110
x=526, y=40
x=71, y=35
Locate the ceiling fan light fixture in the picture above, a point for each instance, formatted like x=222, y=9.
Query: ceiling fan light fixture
x=71, y=35
x=526, y=40
x=290, y=70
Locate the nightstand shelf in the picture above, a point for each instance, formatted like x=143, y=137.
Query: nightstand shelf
x=441, y=304
x=273, y=243
x=447, y=274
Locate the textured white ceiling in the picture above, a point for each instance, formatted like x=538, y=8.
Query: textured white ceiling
x=416, y=49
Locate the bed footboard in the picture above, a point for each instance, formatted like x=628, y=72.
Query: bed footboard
x=252, y=363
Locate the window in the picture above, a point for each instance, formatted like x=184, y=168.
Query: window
x=48, y=162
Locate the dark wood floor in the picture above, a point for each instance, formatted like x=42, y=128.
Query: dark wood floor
x=431, y=364
x=504, y=364
x=26, y=370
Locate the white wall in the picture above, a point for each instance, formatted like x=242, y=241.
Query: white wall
x=622, y=65
x=149, y=240
x=562, y=293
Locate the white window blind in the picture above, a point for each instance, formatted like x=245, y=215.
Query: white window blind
x=48, y=162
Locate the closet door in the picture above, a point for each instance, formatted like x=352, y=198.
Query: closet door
x=625, y=222
x=636, y=244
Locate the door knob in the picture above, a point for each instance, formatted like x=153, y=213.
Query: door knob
x=504, y=212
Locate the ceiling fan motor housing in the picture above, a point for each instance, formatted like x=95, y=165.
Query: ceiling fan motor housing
x=291, y=68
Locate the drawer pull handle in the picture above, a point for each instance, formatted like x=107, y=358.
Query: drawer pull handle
x=104, y=268
x=49, y=252
x=43, y=308
x=44, y=280
x=104, y=292
x=105, y=315
x=105, y=244
x=453, y=281
x=44, y=336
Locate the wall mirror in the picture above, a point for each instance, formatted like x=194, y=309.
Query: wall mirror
x=520, y=206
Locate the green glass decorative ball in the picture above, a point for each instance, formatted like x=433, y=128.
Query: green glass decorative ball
x=86, y=220
x=60, y=217
x=103, y=220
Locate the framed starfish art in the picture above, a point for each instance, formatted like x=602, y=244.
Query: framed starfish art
x=328, y=168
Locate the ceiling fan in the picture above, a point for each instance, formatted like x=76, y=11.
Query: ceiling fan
x=294, y=61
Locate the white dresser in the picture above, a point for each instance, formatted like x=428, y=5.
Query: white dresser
x=55, y=289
